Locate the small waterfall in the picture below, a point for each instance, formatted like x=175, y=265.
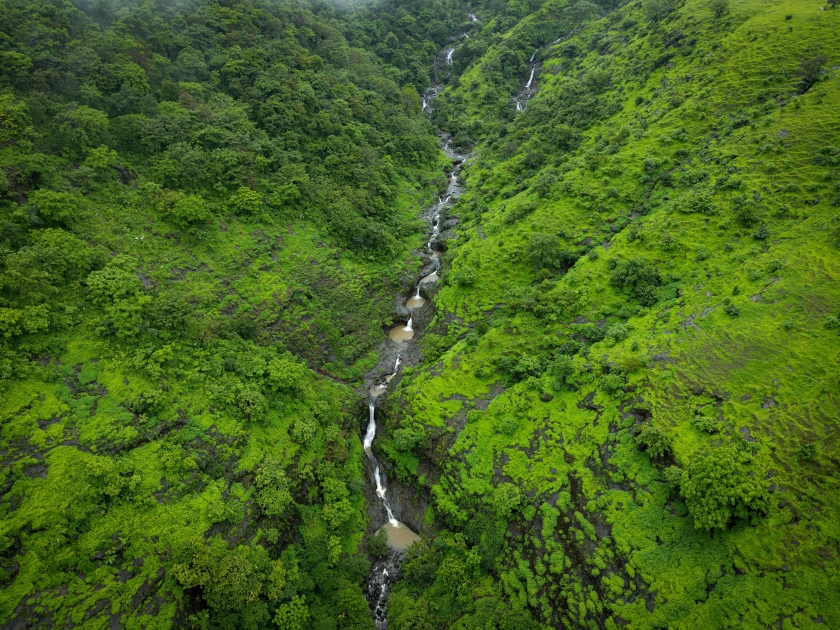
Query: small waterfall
x=408, y=325
x=449, y=56
x=531, y=78
x=473, y=17
x=381, y=488
x=416, y=295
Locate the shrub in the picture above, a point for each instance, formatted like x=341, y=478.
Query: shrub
x=732, y=310
x=719, y=7
x=810, y=72
x=273, y=495
x=704, y=423
x=464, y=277
x=611, y=383
x=657, y=10
x=654, y=440
x=808, y=451
x=832, y=322
x=828, y=156
x=669, y=242
x=408, y=438
x=637, y=276
x=698, y=199
x=246, y=201
x=506, y=499
x=672, y=476
x=377, y=544
x=473, y=415
x=718, y=488
x=761, y=233
x=546, y=251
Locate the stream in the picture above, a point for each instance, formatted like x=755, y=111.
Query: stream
x=385, y=572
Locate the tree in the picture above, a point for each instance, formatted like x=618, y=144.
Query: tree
x=273, y=495
x=718, y=488
x=654, y=439
x=719, y=7
x=657, y=10
x=810, y=72
x=546, y=251
x=81, y=129
x=581, y=11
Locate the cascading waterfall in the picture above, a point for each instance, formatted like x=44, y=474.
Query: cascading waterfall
x=530, y=79
x=384, y=572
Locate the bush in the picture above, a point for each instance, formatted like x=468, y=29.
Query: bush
x=672, y=475
x=828, y=156
x=654, y=440
x=611, y=383
x=657, y=10
x=464, y=277
x=377, y=544
x=704, y=423
x=732, y=310
x=273, y=495
x=808, y=451
x=761, y=233
x=719, y=7
x=408, y=438
x=637, y=276
x=810, y=72
x=698, y=199
x=669, y=242
x=832, y=322
x=546, y=251
x=718, y=489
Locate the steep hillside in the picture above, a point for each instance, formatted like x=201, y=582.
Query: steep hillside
x=206, y=209
x=621, y=401
x=627, y=416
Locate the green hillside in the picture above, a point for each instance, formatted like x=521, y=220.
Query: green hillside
x=622, y=401
x=630, y=401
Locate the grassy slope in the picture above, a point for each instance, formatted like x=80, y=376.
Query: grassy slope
x=77, y=414
x=776, y=380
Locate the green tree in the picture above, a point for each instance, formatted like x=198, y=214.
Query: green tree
x=658, y=10
x=719, y=7
x=273, y=494
x=718, y=489
x=654, y=440
x=81, y=128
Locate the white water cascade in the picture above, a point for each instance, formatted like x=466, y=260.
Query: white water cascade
x=400, y=536
x=530, y=79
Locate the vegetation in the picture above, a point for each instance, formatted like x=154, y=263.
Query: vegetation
x=622, y=413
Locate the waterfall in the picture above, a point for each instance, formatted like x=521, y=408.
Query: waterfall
x=416, y=295
x=531, y=78
x=408, y=325
x=381, y=488
x=449, y=56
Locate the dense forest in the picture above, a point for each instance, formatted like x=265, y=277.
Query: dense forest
x=620, y=406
